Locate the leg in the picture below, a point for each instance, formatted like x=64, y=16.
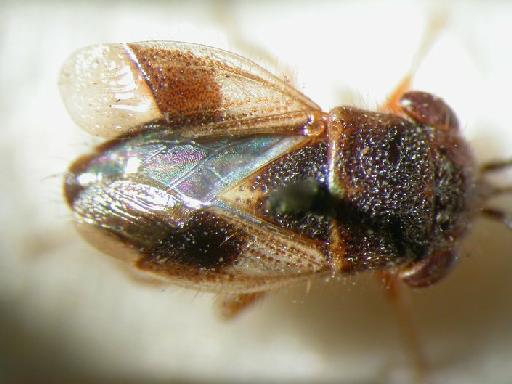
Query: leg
x=496, y=191
x=230, y=306
x=499, y=216
x=392, y=103
x=493, y=166
x=396, y=295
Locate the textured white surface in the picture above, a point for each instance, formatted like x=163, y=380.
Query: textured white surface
x=103, y=91
x=68, y=311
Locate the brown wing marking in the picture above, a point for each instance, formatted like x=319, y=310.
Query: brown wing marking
x=200, y=82
x=233, y=255
x=112, y=89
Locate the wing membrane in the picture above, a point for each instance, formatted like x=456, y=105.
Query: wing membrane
x=113, y=89
x=158, y=195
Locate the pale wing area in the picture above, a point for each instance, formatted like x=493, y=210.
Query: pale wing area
x=113, y=89
x=152, y=199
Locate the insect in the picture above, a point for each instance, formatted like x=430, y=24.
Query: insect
x=219, y=176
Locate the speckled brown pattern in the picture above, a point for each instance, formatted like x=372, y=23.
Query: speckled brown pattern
x=350, y=190
x=306, y=163
x=183, y=85
x=387, y=176
x=200, y=243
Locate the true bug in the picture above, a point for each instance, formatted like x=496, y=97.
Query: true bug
x=219, y=176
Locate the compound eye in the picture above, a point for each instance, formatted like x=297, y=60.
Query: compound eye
x=429, y=270
x=430, y=110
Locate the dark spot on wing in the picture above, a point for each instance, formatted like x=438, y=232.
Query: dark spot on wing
x=205, y=241
x=295, y=187
x=183, y=84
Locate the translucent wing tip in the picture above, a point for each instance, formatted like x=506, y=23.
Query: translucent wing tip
x=105, y=92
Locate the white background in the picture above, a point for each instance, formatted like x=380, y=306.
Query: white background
x=69, y=312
